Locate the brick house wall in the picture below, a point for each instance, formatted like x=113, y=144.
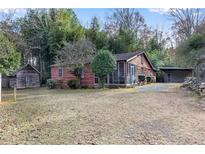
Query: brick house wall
x=143, y=66
x=66, y=76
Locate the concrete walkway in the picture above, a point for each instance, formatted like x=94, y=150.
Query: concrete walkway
x=157, y=87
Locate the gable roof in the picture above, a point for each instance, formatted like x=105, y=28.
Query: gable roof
x=27, y=65
x=131, y=55
x=126, y=56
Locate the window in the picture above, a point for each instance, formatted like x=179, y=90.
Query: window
x=60, y=72
x=82, y=74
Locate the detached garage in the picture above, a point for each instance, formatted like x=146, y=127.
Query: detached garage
x=175, y=74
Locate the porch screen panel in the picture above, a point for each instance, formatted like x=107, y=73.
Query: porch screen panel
x=111, y=78
x=121, y=75
x=115, y=78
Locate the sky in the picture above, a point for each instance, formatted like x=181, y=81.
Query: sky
x=156, y=18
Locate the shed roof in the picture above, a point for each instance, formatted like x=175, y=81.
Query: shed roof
x=23, y=67
x=175, y=68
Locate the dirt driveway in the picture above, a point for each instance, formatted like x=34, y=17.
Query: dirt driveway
x=111, y=116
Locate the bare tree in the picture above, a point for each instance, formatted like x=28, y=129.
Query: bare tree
x=186, y=22
x=126, y=19
x=76, y=54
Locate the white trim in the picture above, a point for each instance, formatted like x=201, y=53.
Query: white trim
x=135, y=56
x=145, y=57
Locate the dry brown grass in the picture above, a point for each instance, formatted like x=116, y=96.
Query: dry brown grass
x=110, y=116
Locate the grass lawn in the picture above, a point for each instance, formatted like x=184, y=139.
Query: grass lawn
x=94, y=116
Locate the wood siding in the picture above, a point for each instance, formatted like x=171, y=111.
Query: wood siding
x=88, y=78
x=27, y=78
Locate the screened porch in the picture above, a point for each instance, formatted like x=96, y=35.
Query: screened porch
x=125, y=73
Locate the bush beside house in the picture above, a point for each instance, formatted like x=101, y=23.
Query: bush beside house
x=74, y=84
x=51, y=84
x=149, y=79
x=103, y=64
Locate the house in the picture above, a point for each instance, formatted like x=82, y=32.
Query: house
x=129, y=67
x=26, y=77
x=175, y=74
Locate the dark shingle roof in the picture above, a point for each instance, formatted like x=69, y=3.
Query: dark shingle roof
x=126, y=56
x=175, y=68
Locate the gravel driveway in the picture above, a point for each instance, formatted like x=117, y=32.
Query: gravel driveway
x=157, y=87
x=111, y=116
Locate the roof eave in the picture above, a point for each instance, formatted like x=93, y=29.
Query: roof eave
x=137, y=54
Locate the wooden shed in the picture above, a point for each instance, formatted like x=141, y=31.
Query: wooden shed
x=26, y=77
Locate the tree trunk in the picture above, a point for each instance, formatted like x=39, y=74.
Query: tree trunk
x=102, y=82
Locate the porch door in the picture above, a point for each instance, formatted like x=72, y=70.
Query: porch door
x=121, y=73
x=132, y=74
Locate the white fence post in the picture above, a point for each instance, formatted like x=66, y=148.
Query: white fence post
x=0, y=86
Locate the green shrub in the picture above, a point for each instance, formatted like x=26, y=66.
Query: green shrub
x=103, y=64
x=74, y=84
x=141, y=78
x=51, y=84
x=149, y=79
x=85, y=87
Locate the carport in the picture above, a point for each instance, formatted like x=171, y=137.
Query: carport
x=175, y=74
